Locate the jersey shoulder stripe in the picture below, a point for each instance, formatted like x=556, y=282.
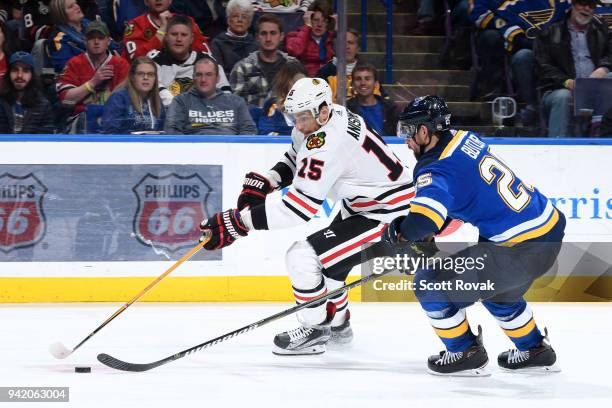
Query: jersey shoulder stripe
x=453, y=144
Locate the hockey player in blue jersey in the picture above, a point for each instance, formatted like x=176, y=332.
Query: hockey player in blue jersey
x=457, y=177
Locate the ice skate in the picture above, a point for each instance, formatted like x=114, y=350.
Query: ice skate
x=302, y=341
x=538, y=359
x=467, y=363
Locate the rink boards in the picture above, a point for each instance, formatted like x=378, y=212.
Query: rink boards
x=56, y=248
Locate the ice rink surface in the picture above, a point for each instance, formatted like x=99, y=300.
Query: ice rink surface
x=384, y=366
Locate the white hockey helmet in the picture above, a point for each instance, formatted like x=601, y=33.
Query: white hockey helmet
x=308, y=94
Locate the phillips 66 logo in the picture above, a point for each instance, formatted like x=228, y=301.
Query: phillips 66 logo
x=22, y=221
x=170, y=209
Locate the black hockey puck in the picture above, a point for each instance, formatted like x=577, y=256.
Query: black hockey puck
x=82, y=369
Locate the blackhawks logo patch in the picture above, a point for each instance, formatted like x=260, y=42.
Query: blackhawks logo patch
x=315, y=141
x=129, y=30
x=180, y=85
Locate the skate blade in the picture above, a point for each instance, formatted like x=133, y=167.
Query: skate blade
x=307, y=351
x=555, y=368
x=476, y=372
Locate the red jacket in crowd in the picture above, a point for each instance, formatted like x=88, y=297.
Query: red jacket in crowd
x=303, y=46
x=140, y=37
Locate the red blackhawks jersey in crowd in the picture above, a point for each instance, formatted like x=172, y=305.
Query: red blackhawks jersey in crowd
x=140, y=37
x=80, y=69
x=343, y=161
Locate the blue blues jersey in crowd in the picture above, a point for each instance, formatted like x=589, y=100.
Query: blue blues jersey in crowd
x=516, y=18
x=461, y=179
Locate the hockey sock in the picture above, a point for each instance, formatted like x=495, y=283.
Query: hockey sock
x=316, y=313
x=340, y=301
x=516, y=320
x=451, y=325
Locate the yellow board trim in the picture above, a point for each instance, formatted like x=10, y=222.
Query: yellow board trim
x=454, y=332
x=257, y=289
x=538, y=232
x=432, y=215
x=173, y=289
x=521, y=331
x=450, y=144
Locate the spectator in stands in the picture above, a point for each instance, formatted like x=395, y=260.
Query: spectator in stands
x=126, y=10
x=67, y=36
x=209, y=15
x=509, y=29
x=271, y=120
x=313, y=45
x=135, y=106
x=90, y=78
x=176, y=60
x=329, y=71
x=579, y=46
x=23, y=108
x=380, y=114
x=147, y=31
x=287, y=6
x=428, y=22
x=252, y=76
x=237, y=43
x=38, y=20
x=293, y=13
x=6, y=48
x=206, y=111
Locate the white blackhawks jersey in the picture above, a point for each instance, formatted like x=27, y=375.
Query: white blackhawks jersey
x=344, y=161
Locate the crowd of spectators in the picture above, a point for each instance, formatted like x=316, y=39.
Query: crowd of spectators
x=542, y=46
x=225, y=67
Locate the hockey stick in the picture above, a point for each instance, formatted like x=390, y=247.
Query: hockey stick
x=115, y=363
x=59, y=351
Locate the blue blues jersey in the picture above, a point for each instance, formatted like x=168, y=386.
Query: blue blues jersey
x=516, y=18
x=462, y=179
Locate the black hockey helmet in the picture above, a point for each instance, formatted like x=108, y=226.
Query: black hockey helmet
x=430, y=111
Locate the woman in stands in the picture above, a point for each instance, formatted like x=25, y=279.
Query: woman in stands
x=313, y=44
x=135, y=106
x=271, y=120
x=67, y=38
x=236, y=43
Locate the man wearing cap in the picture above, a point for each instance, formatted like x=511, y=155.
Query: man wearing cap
x=89, y=78
x=23, y=108
x=580, y=46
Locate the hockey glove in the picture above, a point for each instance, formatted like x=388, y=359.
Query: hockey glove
x=255, y=188
x=223, y=229
x=391, y=234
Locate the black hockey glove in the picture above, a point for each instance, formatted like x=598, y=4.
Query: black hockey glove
x=391, y=234
x=255, y=188
x=223, y=229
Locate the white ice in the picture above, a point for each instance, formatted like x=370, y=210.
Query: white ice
x=385, y=366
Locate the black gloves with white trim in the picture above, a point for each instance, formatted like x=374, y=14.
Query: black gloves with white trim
x=222, y=229
x=255, y=188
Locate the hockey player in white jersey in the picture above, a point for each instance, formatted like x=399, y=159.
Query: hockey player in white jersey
x=333, y=155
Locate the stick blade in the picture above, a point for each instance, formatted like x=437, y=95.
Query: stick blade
x=59, y=351
x=117, y=364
